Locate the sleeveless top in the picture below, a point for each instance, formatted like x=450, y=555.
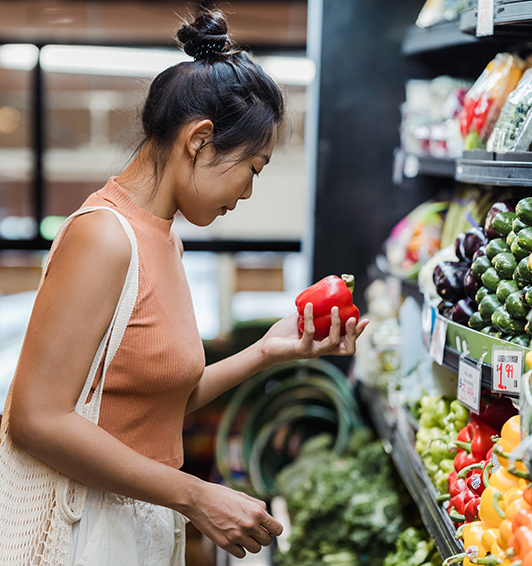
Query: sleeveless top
x=161, y=357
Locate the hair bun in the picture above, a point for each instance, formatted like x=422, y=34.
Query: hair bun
x=206, y=37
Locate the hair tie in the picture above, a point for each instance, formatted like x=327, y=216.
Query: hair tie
x=208, y=49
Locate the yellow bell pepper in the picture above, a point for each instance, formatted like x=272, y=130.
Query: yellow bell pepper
x=509, y=439
x=490, y=510
x=471, y=534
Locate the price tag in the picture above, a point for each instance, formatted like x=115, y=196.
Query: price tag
x=469, y=380
x=507, y=368
x=437, y=343
x=485, y=13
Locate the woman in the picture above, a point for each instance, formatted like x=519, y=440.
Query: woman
x=209, y=127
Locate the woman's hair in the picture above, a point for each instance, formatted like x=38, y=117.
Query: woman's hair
x=222, y=84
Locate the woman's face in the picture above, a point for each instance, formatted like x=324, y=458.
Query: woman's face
x=214, y=190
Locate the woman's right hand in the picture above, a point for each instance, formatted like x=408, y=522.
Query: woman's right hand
x=235, y=521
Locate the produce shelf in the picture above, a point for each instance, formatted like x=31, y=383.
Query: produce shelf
x=513, y=16
x=489, y=168
x=410, y=165
x=400, y=433
x=439, y=36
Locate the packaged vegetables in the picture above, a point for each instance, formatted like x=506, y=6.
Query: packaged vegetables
x=513, y=130
x=485, y=99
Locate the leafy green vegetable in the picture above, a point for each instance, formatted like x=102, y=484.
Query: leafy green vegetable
x=344, y=509
x=414, y=548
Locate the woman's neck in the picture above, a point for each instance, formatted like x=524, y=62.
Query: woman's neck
x=145, y=190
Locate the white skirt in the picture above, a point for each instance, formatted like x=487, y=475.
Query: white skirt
x=119, y=531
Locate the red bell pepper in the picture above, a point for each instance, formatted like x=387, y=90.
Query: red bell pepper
x=329, y=292
x=480, y=439
x=471, y=510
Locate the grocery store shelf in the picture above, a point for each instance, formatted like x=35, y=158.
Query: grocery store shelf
x=410, y=165
x=504, y=169
x=511, y=16
x=451, y=359
x=439, y=36
x=400, y=434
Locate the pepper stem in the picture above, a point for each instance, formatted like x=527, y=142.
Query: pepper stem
x=454, y=559
x=490, y=560
x=464, y=471
x=518, y=473
x=349, y=280
x=455, y=516
x=461, y=444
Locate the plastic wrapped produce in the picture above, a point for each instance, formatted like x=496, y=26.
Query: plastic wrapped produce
x=485, y=99
x=513, y=130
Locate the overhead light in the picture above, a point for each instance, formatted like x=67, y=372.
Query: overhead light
x=18, y=56
x=134, y=62
x=290, y=70
x=115, y=61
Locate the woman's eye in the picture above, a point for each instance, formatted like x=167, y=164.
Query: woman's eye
x=255, y=172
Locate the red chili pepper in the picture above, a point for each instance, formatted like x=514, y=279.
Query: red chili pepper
x=329, y=292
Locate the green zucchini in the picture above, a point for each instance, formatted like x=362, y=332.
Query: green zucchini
x=490, y=279
x=480, y=265
x=503, y=223
x=523, y=210
x=476, y=321
x=518, y=251
x=488, y=306
x=518, y=225
x=496, y=246
x=504, y=264
x=521, y=340
x=480, y=294
x=524, y=238
x=497, y=313
x=505, y=287
x=524, y=270
x=515, y=306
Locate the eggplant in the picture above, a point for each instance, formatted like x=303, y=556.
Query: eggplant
x=444, y=308
x=473, y=240
x=472, y=284
x=448, y=277
x=480, y=252
x=490, y=217
x=462, y=310
x=459, y=247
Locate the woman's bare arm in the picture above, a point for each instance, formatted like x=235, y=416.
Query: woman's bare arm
x=71, y=313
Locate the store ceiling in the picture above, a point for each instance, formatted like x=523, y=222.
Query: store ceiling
x=263, y=25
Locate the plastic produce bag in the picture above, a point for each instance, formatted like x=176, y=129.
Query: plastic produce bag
x=485, y=99
x=513, y=130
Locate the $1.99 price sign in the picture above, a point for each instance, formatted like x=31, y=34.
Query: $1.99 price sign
x=469, y=379
x=507, y=367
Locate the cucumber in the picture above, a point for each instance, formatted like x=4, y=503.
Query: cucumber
x=505, y=287
x=503, y=223
x=504, y=264
x=488, y=306
x=518, y=225
x=523, y=210
x=524, y=238
x=480, y=265
x=496, y=246
x=511, y=237
x=515, y=306
x=521, y=340
x=476, y=321
x=518, y=251
x=490, y=279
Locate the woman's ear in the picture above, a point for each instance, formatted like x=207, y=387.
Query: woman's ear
x=198, y=134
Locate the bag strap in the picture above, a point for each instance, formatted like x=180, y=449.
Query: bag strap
x=115, y=332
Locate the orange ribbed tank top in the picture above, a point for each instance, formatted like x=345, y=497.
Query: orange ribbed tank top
x=161, y=357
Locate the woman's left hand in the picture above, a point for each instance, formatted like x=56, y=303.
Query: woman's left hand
x=283, y=341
